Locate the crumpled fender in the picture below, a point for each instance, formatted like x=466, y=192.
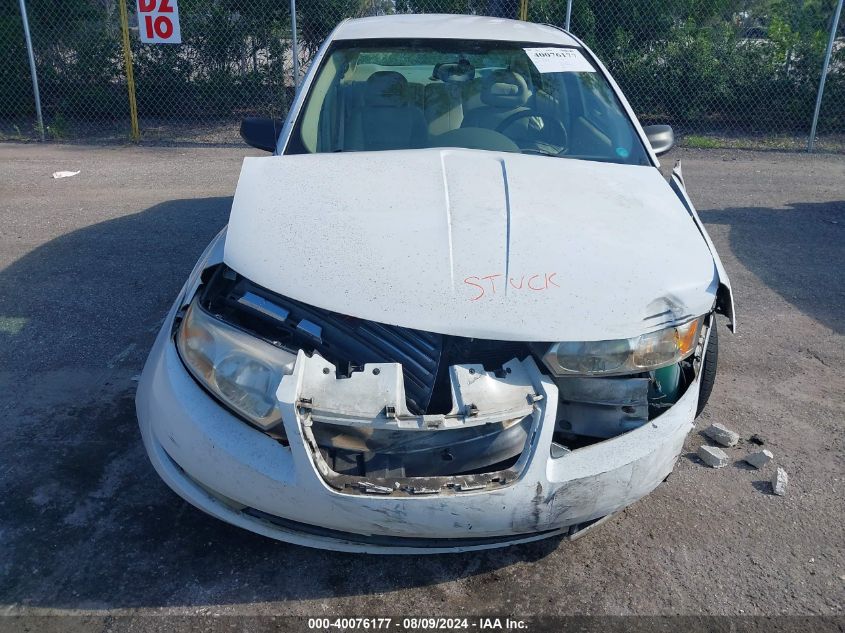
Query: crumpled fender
x=724, y=295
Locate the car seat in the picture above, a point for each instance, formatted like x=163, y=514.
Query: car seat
x=504, y=93
x=389, y=120
x=443, y=108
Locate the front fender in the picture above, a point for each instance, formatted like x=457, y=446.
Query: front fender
x=724, y=294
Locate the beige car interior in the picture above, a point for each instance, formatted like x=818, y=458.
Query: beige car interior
x=401, y=107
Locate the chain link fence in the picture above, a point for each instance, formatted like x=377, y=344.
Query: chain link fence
x=722, y=72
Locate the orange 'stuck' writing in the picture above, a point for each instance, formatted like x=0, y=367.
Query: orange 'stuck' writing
x=489, y=285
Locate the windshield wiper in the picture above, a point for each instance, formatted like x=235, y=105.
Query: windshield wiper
x=537, y=150
x=595, y=159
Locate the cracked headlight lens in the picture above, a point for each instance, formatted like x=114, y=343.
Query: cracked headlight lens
x=623, y=356
x=241, y=370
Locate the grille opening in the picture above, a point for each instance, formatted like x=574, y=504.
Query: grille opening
x=384, y=454
x=349, y=342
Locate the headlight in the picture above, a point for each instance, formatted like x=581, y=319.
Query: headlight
x=241, y=370
x=623, y=356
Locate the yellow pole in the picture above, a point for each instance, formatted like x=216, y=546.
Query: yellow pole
x=130, y=77
x=523, y=10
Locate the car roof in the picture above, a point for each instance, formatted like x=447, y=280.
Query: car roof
x=447, y=26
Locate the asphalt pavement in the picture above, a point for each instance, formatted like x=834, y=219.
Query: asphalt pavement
x=89, y=264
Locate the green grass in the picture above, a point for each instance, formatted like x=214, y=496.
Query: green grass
x=59, y=129
x=14, y=134
x=702, y=142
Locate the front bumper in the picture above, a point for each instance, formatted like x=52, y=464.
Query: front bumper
x=239, y=474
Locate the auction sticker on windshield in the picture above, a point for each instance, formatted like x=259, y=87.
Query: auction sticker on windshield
x=559, y=60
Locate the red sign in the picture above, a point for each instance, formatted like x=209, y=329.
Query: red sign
x=158, y=22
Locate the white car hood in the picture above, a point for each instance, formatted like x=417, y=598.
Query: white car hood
x=473, y=243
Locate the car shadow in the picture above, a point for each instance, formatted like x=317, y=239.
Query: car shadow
x=85, y=520
x=799, y=252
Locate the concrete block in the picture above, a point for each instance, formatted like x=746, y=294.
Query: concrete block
x=758, y=459
x=713, y=456
x=721, y=435
x=779, y=481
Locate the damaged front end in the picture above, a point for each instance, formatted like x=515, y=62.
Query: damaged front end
x=384, y=409
x=384, y=412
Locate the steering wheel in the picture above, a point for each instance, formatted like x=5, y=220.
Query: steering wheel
x=525, y=114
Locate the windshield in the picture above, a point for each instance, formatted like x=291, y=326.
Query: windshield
x=371, y=95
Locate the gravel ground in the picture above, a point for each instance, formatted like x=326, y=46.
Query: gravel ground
x=89, y=264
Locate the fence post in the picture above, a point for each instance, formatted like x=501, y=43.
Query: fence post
x=568, y=12
x=294, y=47
x=32, y=71
x=130, y=76
x=833, y=28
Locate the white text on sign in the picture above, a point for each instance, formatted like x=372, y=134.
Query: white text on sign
x=158, y=22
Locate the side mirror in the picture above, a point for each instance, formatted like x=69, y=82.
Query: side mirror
x=261, y=133
x=661, y=137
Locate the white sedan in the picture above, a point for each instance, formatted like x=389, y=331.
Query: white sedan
x=458, y=307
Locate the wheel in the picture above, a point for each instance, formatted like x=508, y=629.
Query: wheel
x=708, y=368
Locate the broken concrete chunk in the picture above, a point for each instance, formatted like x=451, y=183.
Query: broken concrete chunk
x=758, y=459
x=779, y=481
x=721, y=435
x=713, y=456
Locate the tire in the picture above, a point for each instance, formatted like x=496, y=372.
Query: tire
x=708, y=369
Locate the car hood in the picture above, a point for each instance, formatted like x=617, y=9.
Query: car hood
x=473, y=243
